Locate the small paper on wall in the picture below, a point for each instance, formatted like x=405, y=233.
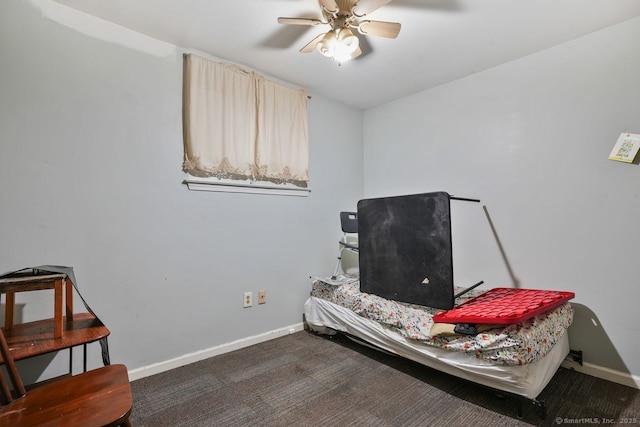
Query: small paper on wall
x=626, y=148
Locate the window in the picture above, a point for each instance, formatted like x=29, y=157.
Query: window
x=241, y=128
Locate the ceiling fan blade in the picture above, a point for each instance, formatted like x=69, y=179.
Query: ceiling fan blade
x=299, y=21
x=330, y=5
x=365, y=7
x=389, y=30
x=309, y=47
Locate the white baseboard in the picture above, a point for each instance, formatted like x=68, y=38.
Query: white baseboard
x=186, y=359
x=601, y=372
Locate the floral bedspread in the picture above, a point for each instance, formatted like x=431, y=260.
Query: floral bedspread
x=516, y=344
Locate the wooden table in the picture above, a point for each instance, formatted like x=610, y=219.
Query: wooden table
x=36, y=282
x=53, y=334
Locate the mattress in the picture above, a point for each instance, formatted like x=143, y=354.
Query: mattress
x=517, y=344
x=526, y=379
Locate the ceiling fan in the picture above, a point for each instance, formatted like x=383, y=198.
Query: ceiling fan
x=339, y=42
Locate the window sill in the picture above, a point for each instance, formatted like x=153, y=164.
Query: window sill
x=229, y=187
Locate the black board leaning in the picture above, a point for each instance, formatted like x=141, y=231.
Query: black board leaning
x=405, y=251
x=405, y=248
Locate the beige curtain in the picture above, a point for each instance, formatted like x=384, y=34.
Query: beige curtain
x=282, y=148
x=239, y=125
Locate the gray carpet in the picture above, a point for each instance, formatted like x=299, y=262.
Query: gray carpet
x=308, y=380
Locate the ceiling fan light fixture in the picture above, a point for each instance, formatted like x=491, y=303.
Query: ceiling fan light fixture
x=347, y=40
x=327, y=45
x=346, y=45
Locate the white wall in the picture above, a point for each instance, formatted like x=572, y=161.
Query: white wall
x=90, y=176
x=531, y=140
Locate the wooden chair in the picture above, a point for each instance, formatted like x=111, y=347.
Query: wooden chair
x=101, y=397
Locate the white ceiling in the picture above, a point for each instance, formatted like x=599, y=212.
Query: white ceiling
x=440, y=40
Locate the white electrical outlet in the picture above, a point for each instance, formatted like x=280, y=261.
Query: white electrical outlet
x=262, y=297
x=248, y=299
